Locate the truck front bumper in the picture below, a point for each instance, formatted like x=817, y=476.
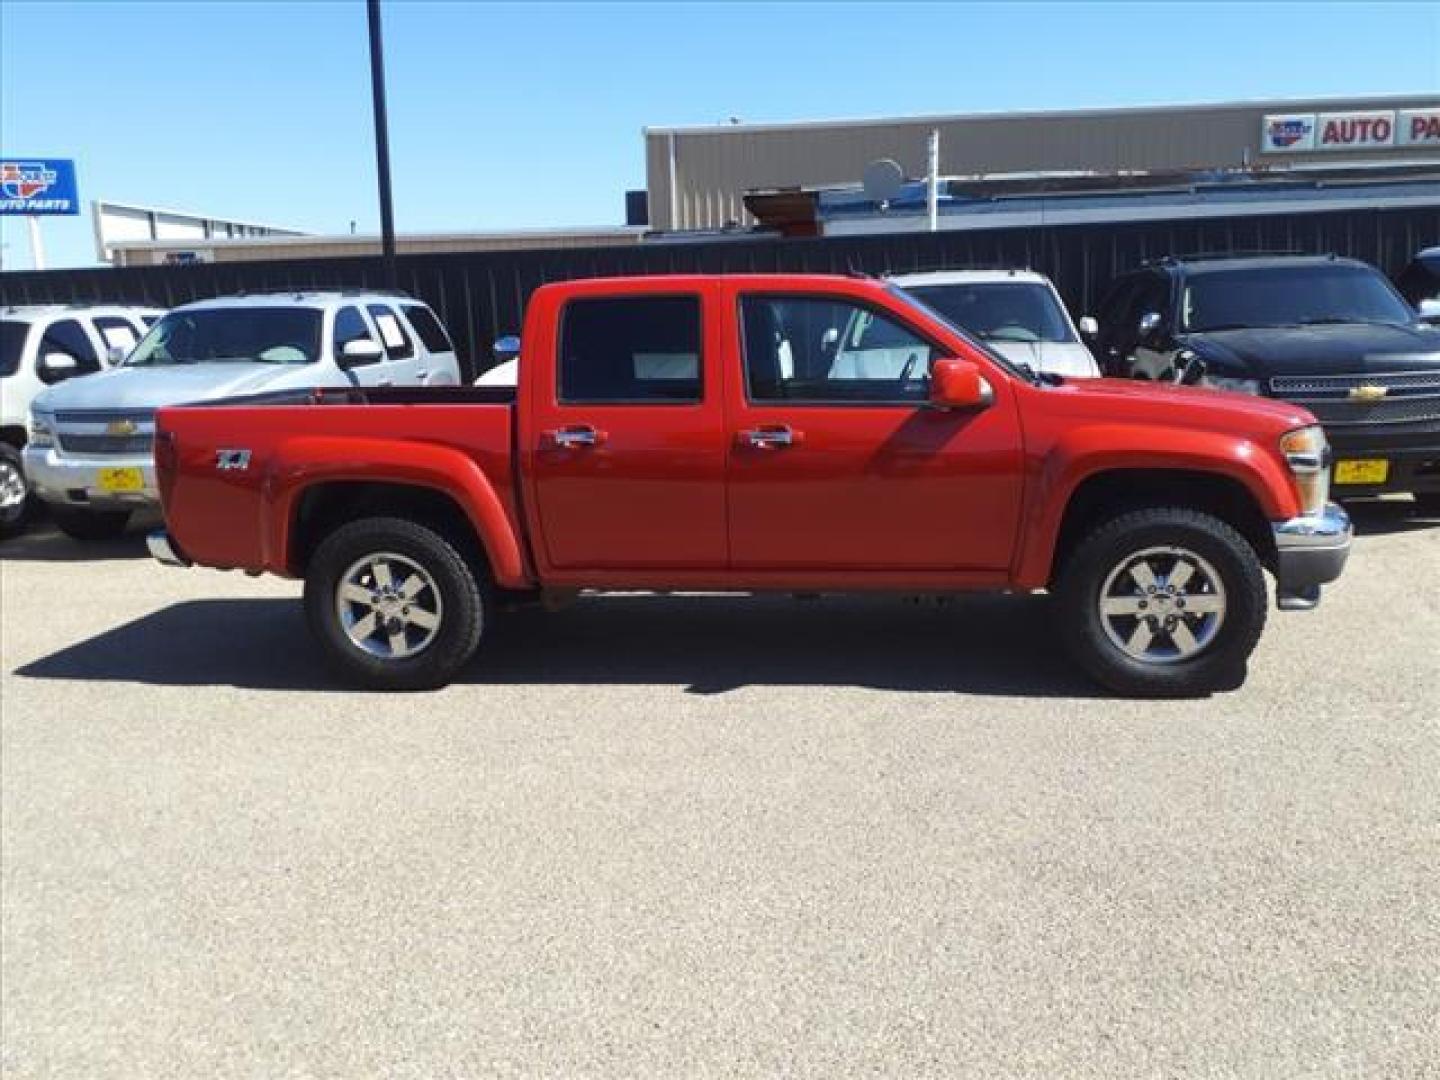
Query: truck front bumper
x=1310, y=551
x=91, y=482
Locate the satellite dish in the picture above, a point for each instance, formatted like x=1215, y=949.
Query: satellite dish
x=883, y=179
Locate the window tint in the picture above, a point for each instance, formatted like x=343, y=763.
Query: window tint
x=427, y=327
x=815, y=349
x=1306, y=295
x=68, y=336
x=117, y=333
x=638, y=348
x=398, y=345
x=350, y=326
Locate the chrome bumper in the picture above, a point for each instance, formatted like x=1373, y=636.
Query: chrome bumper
x=1310, y=551
x=163, y=550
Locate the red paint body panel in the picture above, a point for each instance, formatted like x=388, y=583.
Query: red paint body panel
x=672, y=496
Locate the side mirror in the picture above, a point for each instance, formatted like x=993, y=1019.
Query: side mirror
x=506, y=348
x=958, y=384
x=57, y=366
x=1149, y=325
x=1429, y=310
x=358, y=352
x=1089, y=327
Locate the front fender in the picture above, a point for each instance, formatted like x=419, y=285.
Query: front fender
x=1082, y=453
x=299, y=464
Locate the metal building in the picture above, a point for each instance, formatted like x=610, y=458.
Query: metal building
x=697, y=176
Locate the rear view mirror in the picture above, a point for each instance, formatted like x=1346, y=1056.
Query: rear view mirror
x=506, y=348
x=57, y=366
x=115, y=355
x=1089, y=327
x=360, y=351
x=958, y=384
x=829, y=340
x=1149, y=324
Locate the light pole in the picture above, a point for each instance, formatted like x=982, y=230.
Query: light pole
x=382, y=143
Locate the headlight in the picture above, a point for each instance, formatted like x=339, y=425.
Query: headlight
x=1240, y=386
x=1308, y=453
x=42, y=430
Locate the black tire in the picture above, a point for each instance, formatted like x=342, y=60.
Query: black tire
x=1427, y=503
x=90, y=526
x=13, y=515
x=1220, y=664
x=463, y=604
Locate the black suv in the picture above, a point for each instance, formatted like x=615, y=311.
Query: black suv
x=1419, y=283
x=1327, y=333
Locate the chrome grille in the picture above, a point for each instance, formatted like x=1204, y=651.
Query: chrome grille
x=1410, y=397
x=90, y=431
x=77, y=443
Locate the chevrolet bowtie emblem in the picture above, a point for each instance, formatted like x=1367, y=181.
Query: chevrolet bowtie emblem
x=1368, y=393
x=120, y=427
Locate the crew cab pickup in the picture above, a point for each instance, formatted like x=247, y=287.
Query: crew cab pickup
x=656, y=441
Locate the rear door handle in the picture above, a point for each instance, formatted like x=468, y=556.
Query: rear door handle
x=771, y=437
x=576, y=435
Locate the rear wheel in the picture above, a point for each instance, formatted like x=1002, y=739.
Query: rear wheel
x=15, y=501
x=1165, y=602
x=89, y=526
x=393, y=604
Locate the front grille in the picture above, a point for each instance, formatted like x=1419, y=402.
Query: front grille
x=1410, y=397
x=105, y=431
x=77, y=443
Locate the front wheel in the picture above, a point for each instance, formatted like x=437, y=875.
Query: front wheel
x=393, y=604
x=90, y=526
x=1163, y=602
x=15, y=500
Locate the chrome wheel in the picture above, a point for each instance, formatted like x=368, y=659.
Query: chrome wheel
x=12, y=486
x=1162, y=605
x=388, y=605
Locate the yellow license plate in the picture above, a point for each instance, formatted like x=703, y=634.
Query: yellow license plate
x=121, y=480
x=1362, y=471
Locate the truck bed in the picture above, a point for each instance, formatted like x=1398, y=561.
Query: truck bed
x=231, y=472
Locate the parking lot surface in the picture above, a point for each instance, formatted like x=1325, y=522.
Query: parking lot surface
x=701, y=836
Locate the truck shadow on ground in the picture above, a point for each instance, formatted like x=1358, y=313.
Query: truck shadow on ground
x=709, y=645
x=43, y=542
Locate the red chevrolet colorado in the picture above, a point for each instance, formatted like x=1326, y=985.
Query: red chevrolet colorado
x=749, y=433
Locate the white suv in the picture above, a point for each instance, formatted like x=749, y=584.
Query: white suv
x=41, y=346
x=1017, y=313
x=89, y=452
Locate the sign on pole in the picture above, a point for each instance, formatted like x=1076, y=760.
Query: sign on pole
x=32, y=187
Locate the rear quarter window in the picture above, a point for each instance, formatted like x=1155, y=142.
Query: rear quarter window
x=427, y=328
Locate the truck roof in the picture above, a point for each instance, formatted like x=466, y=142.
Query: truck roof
x=1196, y=266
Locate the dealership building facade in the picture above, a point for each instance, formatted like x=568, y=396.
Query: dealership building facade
x=698, y=177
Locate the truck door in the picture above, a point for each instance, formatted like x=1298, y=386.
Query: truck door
x=841, y=465
x=626, y=442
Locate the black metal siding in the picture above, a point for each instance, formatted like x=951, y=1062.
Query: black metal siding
x=482, y=295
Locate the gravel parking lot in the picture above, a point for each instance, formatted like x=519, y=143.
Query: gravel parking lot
x=683, y=837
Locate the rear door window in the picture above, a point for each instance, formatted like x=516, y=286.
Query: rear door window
x=397, y=342
x=350, y=326
x=631, y=350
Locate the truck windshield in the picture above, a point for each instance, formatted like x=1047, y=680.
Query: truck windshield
x=12, y=342
x=1000, y=311
x=278, y=335
x=1274, y=296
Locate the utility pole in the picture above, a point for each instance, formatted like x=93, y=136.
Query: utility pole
x=382, y=144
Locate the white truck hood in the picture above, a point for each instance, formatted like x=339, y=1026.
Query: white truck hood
x=175, y=384
x=1070, y=358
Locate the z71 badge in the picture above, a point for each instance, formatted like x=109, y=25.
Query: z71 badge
x=226, y=460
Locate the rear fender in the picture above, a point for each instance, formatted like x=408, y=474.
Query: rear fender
x=1088, y=451
x=299, y=464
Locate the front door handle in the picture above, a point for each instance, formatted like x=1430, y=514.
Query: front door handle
x=575, y=436
x=771, y=437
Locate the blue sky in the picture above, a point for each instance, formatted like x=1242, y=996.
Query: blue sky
x=527, y=116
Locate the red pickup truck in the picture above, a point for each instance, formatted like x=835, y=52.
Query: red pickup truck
x=746, y=433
